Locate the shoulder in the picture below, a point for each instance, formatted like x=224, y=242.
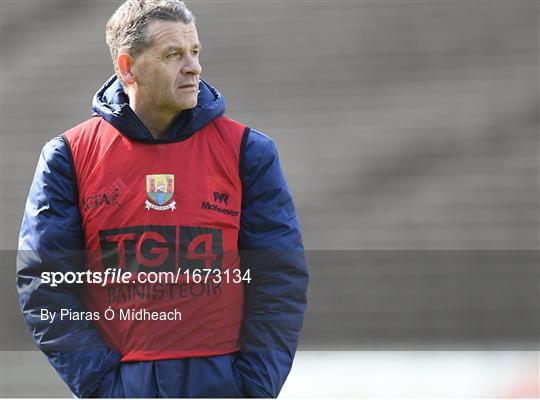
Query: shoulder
x=258, y=150
x=84, y=129
x=254, y=146
x=259, y=140
x=56, y=160
x=55, y=152
x=254, y=137
x=260, y=168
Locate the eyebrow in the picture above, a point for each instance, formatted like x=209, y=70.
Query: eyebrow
x=168, y=49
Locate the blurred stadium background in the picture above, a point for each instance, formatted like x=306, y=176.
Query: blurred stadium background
x=405, y=128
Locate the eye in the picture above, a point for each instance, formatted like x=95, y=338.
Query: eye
x=196, y=52
x=173, y=55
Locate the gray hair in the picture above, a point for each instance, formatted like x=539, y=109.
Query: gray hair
x=127, y=29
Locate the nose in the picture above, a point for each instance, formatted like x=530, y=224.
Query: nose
x=192, y=66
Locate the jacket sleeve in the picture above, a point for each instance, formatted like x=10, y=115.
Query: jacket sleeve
x=51, y=239
x=271, y=247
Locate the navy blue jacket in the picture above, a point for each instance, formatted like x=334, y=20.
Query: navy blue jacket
x=51, y=239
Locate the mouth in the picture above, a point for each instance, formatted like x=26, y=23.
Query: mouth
x=189, y=86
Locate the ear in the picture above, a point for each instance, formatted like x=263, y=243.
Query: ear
x=125, y=68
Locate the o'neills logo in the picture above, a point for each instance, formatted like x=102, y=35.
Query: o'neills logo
x=160, y=189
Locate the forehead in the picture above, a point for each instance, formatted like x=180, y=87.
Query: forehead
x=169, y=33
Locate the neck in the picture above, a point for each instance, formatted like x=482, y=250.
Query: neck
x=156, y=121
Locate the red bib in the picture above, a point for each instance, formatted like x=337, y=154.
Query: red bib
x=162, y=208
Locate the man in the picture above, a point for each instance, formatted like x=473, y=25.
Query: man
x=159, y=179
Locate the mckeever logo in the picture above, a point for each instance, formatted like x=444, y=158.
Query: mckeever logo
x=222, y=198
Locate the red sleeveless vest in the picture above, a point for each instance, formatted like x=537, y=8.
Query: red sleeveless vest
x=162, y=207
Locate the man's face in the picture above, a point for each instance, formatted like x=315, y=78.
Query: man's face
x=167, y=73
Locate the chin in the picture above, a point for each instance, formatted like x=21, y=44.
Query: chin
x=187, y=105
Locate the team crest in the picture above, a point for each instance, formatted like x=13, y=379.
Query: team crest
x=160, y=189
